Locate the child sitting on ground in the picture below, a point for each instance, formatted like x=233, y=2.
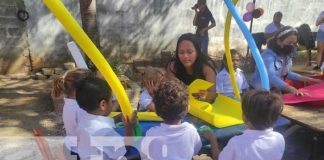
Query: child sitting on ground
x=261, y=110
x=173, y=139
x=66, y=84
x=151, y=79
x=224, y=84
x=96, y=135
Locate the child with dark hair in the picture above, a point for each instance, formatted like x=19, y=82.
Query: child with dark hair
x=224, y=85
x=173, y=139
x=94, y=96
x=67, y=85
x=261, y=109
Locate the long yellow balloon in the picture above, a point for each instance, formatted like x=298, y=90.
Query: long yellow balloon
x=228, y=54
x=74, y=29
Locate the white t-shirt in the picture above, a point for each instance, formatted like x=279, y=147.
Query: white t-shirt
x=172, y=142
x=321, y=27
x=94, y=132
x=70, y=120
x=256, y=145
x=224, y=84
x=144, y=100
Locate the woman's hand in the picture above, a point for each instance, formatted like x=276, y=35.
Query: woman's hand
x=314, y=80
x=301, y=94
x=203, y=31
x=295, y=91
x=310, y=80
x=201, y=95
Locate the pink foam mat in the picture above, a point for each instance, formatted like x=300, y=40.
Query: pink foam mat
x=316, y=94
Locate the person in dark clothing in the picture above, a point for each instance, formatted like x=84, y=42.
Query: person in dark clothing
x=190, y=64
x=306, y=38
x=259, y=40
x=201, y=20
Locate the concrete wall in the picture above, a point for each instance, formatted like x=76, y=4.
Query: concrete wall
x=133, y=28
x=144, y=27
x=13, y=39
x=47, y=37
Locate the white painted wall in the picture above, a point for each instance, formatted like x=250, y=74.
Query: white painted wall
x=142, y=28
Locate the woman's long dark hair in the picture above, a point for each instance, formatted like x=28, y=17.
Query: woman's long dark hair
x=282, y=34
x=201, y=60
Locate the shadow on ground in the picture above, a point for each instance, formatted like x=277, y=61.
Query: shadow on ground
x=24, y=104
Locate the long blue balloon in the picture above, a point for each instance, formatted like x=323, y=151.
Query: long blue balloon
x=255, y=52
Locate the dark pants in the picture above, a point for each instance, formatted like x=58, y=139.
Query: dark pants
x=203, y=41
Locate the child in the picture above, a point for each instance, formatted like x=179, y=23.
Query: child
x=224, y=84
x=94, y=96
x=261, y=109
x=71, y=108
x=173, y=139
x=151, y=78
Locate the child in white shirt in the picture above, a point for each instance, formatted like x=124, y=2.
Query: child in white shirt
x=173, y=139
x=97, y=138
x=224, y=84
x=261, y=109
x=66, y=84
x=151, y=79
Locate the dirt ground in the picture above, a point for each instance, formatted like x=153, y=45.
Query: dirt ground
x=26, y=103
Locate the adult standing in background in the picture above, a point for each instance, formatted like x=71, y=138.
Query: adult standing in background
x=201, y=20
x=271, y=28
x=320, y=41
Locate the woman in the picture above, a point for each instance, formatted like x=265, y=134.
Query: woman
x=201, y=20
x=278, y=62
x=320, y=41
x=190, y=64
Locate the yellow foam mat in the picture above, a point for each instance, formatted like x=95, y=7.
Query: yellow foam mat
x=222, y=113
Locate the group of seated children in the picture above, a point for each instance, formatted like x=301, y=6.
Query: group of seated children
x=91, y=133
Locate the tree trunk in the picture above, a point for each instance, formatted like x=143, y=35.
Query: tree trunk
x=88, y=9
